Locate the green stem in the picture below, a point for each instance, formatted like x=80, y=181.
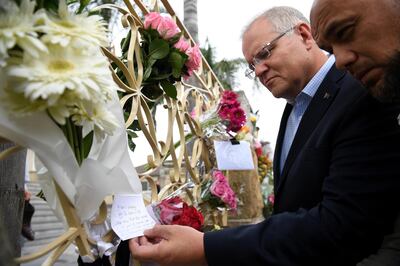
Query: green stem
x=76, y=144
x=73, y=139
x=69, y=134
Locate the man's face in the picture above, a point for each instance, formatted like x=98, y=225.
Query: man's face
x=283, y=72
x=365, y=37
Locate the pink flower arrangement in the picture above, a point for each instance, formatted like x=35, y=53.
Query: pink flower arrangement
x=167, y=55
x=165, y=26
x=218, y=193
x=182, y=45
x=231, y=112
x=194, y=60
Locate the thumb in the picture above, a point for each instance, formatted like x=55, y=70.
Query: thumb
x=158, y=231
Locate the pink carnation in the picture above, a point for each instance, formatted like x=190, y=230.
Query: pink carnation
x=167, y=28
x=152, y=20
x=182, y=45
x=193, y=63
x=221, y=189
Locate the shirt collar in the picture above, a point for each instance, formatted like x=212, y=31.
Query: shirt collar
x=312, y=86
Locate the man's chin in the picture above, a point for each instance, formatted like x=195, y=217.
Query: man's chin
x=388, y=89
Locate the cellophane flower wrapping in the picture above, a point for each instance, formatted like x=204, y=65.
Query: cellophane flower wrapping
x=176, y=211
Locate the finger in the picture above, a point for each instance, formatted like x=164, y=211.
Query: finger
x=144, y=241
x=136, y=239
x=145, y=252
x=158, y=231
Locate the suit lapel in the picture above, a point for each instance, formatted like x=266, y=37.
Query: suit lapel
x=279, y=142
x=320, y=103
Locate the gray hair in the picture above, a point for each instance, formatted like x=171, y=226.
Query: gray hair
x=282, y=18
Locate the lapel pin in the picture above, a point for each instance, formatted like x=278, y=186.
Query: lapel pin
x=327, y=95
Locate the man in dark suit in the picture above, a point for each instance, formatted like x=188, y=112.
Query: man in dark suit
x=335, y=165
x=366, y=41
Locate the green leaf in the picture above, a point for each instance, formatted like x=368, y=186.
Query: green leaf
x=168, y=88
x=87, y=144
x=131, y=135
x=160, y=77
x=49, y=5
x=83, y=4
x=176, y=61
x=149, y=68
x=158, y=49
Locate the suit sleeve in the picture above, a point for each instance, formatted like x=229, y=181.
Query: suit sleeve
x=359, y=202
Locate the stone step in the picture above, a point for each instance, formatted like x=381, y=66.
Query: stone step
x=47, y=226
x=44, y=219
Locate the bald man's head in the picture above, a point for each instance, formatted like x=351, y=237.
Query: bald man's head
x=365, y=40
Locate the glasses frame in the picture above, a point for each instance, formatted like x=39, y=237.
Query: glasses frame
x=264, y=53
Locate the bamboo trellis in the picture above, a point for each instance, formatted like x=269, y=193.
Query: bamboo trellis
x=206, y=96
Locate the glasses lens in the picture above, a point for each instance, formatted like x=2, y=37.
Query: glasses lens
x=262, y=55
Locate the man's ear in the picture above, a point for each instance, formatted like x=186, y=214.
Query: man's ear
x=304, y=30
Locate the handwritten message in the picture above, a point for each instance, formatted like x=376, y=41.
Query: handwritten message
x=129, y=217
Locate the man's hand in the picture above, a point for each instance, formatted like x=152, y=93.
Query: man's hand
x=170, y=245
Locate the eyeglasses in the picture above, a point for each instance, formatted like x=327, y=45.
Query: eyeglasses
x=263, y=54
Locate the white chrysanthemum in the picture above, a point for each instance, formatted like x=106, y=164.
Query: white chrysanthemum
x=78, y=30
x=17, y=28
x=59, y=82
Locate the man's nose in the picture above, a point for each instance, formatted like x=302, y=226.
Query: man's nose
x=261, y=68
x=344, y=57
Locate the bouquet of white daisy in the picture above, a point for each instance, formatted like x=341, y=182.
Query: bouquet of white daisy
x=57, y=97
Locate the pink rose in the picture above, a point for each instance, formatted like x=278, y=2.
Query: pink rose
x=169, y=209
x=182, y=45
x=218, y=188
x=152, y=20
x=193, y=63
x=167, y=28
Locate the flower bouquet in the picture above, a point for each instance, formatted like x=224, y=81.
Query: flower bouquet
x=175, y=211
x=167, y=56
x=58, y=98
x=217, y=196
x=228, y=117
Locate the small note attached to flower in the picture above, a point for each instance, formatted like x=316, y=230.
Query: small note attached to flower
x=129, y=217
x=233, y=156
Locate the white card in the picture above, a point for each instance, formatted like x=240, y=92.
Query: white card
x=129, y=217
x=233, y=156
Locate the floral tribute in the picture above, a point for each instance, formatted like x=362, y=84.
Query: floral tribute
x=228, y=117
x=167, y=55
x=58, y=98
x=232, y=115
x=216, y=192
x=175, y=211
x=52, y=62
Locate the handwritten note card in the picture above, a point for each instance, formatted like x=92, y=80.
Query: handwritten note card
x=129, y=217
x=233, y=156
